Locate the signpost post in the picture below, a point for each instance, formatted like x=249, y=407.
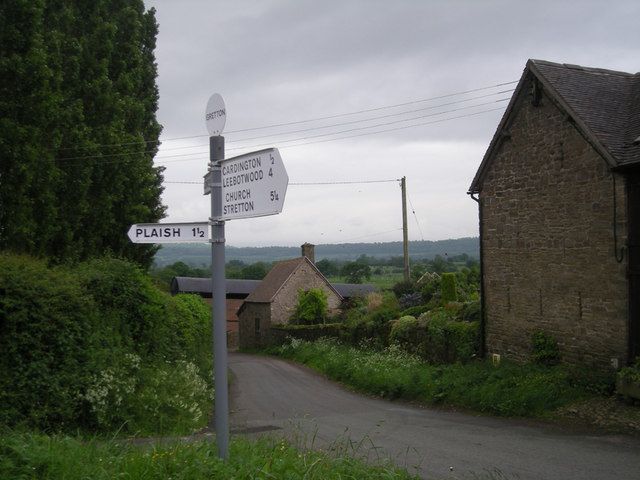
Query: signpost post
x=246, y=186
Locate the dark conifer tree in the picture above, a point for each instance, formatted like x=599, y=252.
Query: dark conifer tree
x=78, y=130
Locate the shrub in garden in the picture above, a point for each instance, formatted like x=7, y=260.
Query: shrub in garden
x=403, y=329
x=471, y=311
x=410, y=300
x=430, y=290
x=415, y=311
x=312, y=307
x=545, y=348
x=405, y=287
x=439, y=337
x=448, y=288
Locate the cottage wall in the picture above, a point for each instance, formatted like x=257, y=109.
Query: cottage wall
x=548, y=242
x=254, y=315
x=304, y=277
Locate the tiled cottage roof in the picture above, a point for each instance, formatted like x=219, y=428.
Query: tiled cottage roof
x=274, y=280
x=604, y=104
x=277, y=277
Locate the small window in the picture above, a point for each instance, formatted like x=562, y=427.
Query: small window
x=257, y=327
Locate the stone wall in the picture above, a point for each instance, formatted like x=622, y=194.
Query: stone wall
x=304, y=278
x=249, y=336
x=548, y=242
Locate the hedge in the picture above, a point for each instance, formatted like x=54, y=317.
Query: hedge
x=63, y=329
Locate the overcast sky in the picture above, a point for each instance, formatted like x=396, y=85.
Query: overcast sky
x=277, y=62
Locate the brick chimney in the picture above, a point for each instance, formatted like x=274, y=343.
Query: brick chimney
x=308, y=251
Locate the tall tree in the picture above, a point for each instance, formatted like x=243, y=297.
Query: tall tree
x=78, y=132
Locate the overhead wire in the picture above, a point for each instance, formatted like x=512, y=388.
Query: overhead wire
x=263, y=127
x=349, y=182
x=311, y=137
x=413, y=210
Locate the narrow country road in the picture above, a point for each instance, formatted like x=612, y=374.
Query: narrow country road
x=272, y=395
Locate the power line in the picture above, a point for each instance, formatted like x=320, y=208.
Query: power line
x=159, y=157
x=412, y=102
x=300, y=183
x=415, y=216
x=311, y=137
x=354, y=136
x=352, y=122
x=119, y=160
x=395, y=129
x=375, y=118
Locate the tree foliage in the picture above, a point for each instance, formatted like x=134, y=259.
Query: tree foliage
x=78, y=130
x=312, y=307
x=355, y=272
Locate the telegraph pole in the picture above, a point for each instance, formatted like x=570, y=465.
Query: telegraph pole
x=405, y=229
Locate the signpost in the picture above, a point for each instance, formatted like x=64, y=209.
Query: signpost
x=253, y=185
x=246, y=186
x=169, y=232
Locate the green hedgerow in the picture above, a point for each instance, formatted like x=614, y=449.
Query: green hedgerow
x=47, y=322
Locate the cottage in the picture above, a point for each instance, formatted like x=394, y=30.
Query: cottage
x=272, y=299
x=559, y=205
x=275, y=299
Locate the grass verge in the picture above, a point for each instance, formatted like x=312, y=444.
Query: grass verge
x=508, y=389
x=30, y=455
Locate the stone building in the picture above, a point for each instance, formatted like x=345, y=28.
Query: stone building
x=559, y=205
x=236, y=292
x=274, y=300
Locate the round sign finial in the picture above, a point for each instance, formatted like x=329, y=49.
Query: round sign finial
x=215, y=115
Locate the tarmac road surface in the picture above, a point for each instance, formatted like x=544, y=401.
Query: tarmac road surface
x=274, y=396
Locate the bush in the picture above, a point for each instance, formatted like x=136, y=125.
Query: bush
x=402, y=329
x=448, y=288
x=410, y=300
x=471, y=311
x=164, y=397
x=415, y=311
x=306, y=332
x=438, y=337
x=82, y=348
x=46, y=344
x=431, y=290
x=311, y=308
x=545, y=348
x=405, y=287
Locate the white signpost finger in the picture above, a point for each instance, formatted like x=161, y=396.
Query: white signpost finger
x=169, y=232
x=253, y=185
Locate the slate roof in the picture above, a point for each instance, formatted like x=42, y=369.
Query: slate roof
x=264, y=290
x=604, y=104
x=277, y=277
x=203, y=286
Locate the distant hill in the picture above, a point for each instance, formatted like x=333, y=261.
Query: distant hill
x=198, y=255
